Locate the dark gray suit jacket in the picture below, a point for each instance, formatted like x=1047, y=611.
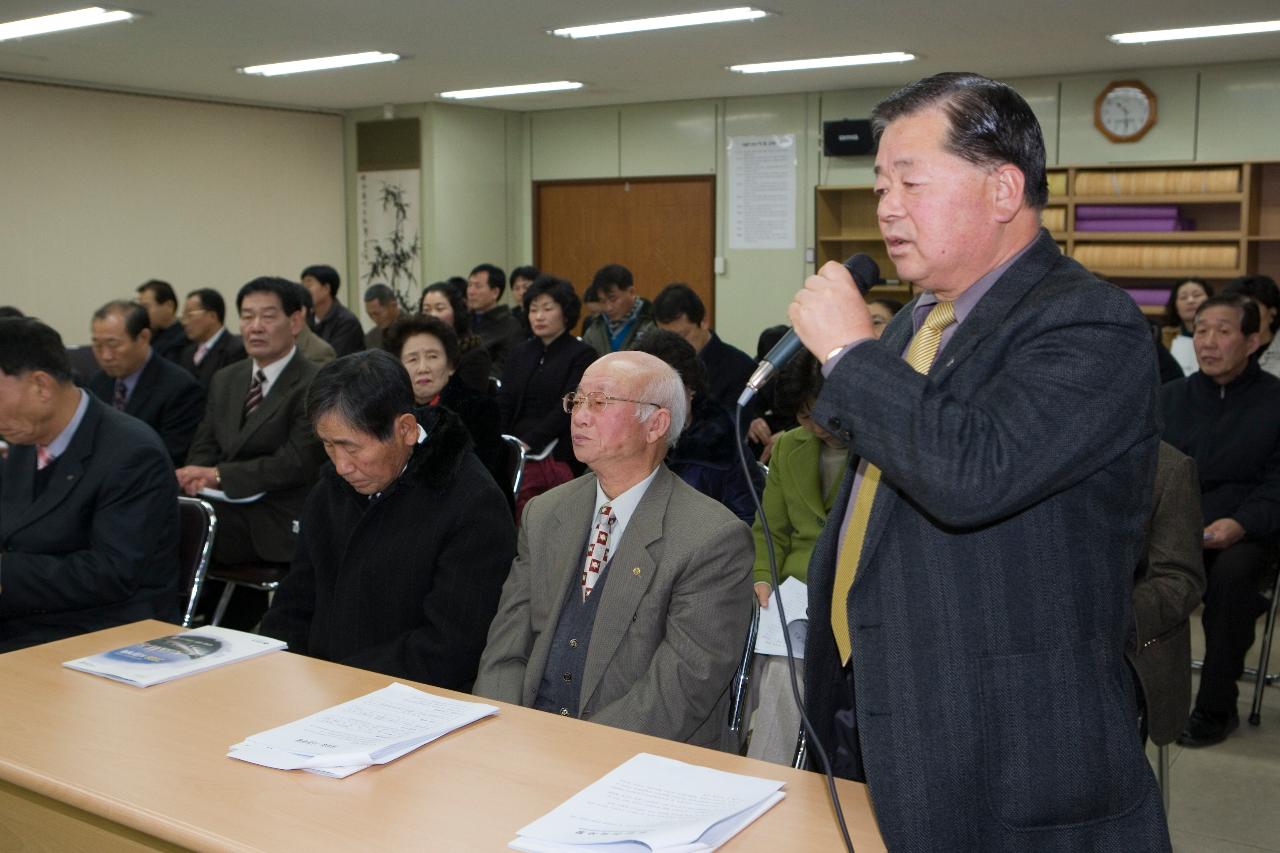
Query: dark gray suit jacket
x=992, y=601
x=273, y=451
x=166, y=398
x=99, y=547
x=1167, y=589
x=669, y=630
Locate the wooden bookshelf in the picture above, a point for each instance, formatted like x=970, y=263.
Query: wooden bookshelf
x=1235, y=205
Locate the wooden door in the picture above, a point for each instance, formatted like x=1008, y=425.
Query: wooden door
x=663, y=230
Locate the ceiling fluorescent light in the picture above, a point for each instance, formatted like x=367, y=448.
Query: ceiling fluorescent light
x=90, y=17
x=1195, y=32
x=323, y=63
x=822, y=62
x=666, y=22
x=522, y=89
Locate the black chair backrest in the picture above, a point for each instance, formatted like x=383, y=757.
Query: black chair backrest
x=198, y=525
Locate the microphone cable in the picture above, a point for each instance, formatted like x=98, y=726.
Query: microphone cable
x=810, y=734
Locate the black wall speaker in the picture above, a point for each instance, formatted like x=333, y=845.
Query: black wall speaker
x=848, y=137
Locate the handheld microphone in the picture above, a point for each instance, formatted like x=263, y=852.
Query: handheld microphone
x=865, y=272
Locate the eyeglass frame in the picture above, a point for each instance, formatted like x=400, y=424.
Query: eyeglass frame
x=569, y=402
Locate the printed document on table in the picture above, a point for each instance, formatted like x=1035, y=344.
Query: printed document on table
x=653, y=803
x=373, y=729
x=176, y=655
x=795, y=600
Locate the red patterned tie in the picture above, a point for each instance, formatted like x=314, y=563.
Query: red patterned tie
x=597, y=550
x=254, y=398
x=121, y=396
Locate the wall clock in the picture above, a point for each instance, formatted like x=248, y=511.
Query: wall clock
x=1124, y=111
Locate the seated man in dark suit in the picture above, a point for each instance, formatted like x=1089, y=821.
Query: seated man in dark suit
x=88, y=505
x=1226, y=417
x=1166, y=590
x=334, y=322
x=168, y=338
x=212, y=347
x=383, y=307
x=313, y=347
x=256, y=438
x=630, y=598
x=495, y=325
x=405, y=540
x=134, y=379
x=679, y=309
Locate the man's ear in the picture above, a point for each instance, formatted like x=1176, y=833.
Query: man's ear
x=1009, y=185
x=658, y=426
x=406, y=429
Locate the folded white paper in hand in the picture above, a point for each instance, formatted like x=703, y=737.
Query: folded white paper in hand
x=795, y=600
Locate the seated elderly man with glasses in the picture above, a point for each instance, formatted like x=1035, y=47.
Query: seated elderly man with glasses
x=630, y=595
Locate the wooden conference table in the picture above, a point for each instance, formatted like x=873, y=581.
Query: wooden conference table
x=90, y=764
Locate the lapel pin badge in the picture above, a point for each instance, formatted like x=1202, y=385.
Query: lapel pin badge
x=636, y=571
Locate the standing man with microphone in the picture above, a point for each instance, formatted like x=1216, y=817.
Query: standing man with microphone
x=970, y=596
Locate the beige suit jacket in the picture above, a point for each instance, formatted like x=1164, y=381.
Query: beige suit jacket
x=669, y=630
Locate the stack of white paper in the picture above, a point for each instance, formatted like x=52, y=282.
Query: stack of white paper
x=652, y=804
x=373, y=729
x=795, y=600
x=177, y=655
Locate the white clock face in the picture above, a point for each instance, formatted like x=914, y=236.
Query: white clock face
x=1125, y=110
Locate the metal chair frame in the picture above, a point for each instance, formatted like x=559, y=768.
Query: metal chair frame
x=206, y=553
x=522, y=456
x=742, y=676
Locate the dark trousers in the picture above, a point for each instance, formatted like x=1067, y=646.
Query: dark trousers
x=1232, y=605
x=847, y=760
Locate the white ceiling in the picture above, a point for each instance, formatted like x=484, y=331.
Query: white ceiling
x=192, y=47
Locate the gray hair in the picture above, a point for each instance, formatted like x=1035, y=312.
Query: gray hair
x=665, y=389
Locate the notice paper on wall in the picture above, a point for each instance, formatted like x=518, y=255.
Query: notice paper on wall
x=762, y=192
x=650, y=804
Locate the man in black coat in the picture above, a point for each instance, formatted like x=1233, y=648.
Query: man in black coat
x=679, y=309
x=406, y=540
x=212, y=347
x=1226, y=416
x=134, y=379
x=88, y=503
x=168, y=338
x=334, y=322
x=496, y=326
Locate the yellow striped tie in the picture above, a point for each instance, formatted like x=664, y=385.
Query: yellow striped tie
x=920, y=355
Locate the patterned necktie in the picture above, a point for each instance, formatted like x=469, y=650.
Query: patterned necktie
x=597, y=550
x=43, y=457
x=254, y=397
x=920, y=355
x=121, y=396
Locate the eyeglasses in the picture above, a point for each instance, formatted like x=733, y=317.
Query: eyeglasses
x=595, y=401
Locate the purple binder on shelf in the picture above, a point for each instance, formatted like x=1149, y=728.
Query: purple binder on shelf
x=1148, y=295
x=1126, y=211
x=1176, y=224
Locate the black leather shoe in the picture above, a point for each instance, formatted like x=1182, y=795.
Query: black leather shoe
x=1206, y=729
